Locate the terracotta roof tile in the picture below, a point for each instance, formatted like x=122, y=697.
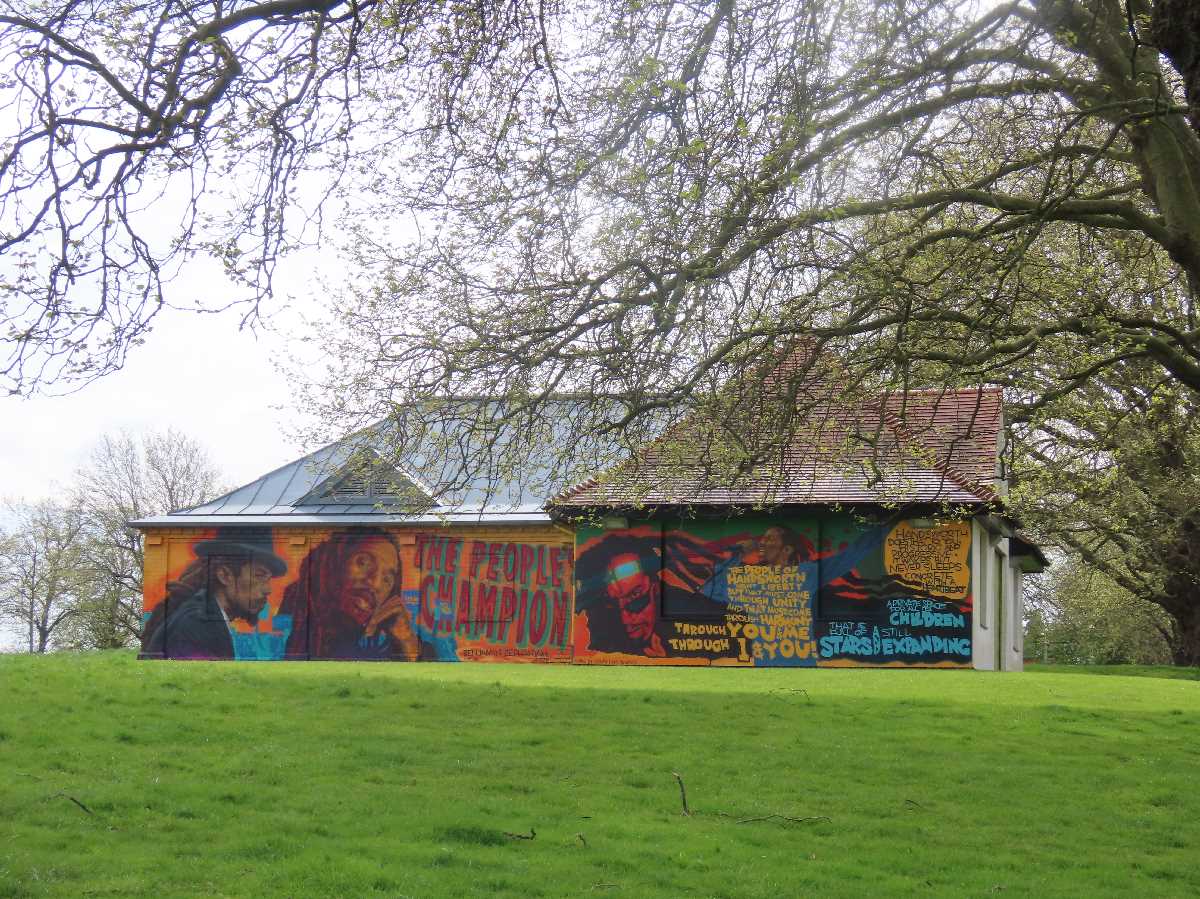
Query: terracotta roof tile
x=917, y=447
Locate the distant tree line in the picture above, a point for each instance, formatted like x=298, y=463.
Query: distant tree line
x=70, y=566
x=1075, y=615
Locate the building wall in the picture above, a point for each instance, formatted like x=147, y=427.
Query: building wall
x=999, y=628
x=447, y=594
x=827, y=589
x=983, y=630
x=1014, y=647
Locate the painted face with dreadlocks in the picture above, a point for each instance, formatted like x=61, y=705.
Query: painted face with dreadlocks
x=369, y=578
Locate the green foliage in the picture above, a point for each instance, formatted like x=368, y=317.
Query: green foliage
x=1089, y=620
x=256, y=780
x=1108, y=470
x=43, y=573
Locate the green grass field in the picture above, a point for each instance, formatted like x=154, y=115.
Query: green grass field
x=1120, y=670
x=127, y=778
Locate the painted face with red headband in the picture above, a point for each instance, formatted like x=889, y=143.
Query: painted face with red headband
x=636, y=594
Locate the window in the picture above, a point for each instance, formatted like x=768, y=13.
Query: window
x=368, y=480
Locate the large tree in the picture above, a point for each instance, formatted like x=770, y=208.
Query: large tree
x=1109, y=474
x=43, y=578
x=127, y=477
x=626, y=172
x=692, y=189
x=636, y=203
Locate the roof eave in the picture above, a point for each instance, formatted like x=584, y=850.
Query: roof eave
x=568, y=511
x=486, y=516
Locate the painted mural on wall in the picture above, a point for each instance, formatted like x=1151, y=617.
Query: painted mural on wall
x=828, y=591
x=362, y=594
x=493, y=599
x=770, y=592
x=217, y=606
x=347, y=601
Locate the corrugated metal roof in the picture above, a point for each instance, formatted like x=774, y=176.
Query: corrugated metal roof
x=377, y=517
x=282, y=496
x=918, y=447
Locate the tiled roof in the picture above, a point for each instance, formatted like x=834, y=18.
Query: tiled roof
x=932, y=446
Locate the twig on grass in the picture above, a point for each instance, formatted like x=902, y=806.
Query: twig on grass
x=682, y=794
x=913, y=802
x=793, y=690
x=73, y=799
x=784, y=818
x=521, y=836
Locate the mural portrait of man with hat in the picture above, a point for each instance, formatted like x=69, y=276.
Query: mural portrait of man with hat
x=229, y=580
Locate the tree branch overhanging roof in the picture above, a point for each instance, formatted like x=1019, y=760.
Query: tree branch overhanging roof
x=938, y=447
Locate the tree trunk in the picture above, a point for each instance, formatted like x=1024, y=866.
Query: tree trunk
x=1176, y=29
x=1185, y=648
x=1181, y=599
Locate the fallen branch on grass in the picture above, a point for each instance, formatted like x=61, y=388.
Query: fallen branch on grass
x=520, y=836
x=785, y=818
x=73, y=799
x=682, y=794
x=792, y=690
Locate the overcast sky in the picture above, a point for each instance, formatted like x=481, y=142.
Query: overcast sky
x=197, y=373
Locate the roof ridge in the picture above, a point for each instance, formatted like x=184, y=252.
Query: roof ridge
x=983, y=388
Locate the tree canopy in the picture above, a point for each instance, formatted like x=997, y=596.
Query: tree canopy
x=649, y=180
x=637, y=204
x=139, y=136
x=696, y=186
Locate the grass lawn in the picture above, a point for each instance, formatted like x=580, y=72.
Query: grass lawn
x=1120, y=670
x=328, y=779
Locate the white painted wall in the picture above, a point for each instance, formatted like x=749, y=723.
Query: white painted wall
x=1014, y=643
x=997, y=629
x=983, y=622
